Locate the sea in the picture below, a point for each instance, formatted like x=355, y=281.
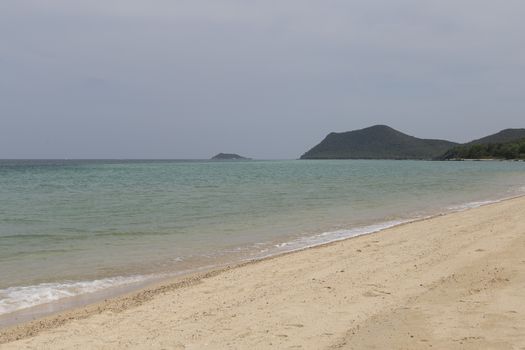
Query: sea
x=75, y=228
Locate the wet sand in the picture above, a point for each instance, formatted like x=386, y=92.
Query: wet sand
x=451, y=282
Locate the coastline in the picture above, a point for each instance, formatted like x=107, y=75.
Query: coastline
x=145, y=282
x=143, y=299
x=148, y=235
x=44, y=310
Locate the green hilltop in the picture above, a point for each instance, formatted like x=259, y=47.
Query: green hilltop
x=377, y=142
x=504, y=136
x=507, y=144
x=383, y=142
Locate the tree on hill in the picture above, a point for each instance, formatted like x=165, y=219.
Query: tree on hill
x=508, y=150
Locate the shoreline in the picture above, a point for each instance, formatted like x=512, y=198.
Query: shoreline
x=63, y=305
x=135, y=299
x=163, y=227
x=69, y=304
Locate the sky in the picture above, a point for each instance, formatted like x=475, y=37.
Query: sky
x=266, y=79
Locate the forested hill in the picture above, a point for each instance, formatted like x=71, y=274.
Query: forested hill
x=377, y=142
x=505, y=150
x=504, y=136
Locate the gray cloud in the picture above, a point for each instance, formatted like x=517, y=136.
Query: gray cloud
x=186, y=79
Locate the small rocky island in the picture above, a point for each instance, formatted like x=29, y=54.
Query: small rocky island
x=229, y=156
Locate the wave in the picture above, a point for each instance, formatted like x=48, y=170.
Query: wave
x=472, y=205
x=477, y=204
x=17, y=298
x=21, y=297
x=338, y=235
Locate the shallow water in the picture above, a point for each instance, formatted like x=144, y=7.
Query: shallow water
x=73, y=227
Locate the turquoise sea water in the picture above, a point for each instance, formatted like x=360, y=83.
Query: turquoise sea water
x=74, y=227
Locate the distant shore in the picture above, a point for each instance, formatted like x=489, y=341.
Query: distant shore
x=453, y=281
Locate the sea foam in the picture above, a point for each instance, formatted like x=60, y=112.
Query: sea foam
x=472, y=205
x=338, y=235
x=21, y=297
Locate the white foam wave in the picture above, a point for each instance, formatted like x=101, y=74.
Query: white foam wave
x=338, y=235
x=472, y=205
x=17, y=298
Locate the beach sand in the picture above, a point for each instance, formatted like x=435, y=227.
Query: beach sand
x=455, y=281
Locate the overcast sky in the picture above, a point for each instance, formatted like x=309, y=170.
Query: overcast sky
x=263, y=78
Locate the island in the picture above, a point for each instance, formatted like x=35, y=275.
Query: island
x=377, y=142
x=229, y=156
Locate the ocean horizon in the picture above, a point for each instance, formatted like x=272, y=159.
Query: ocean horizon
x=75, y=227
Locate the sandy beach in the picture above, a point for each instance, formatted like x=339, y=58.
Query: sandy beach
x=455, y=281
